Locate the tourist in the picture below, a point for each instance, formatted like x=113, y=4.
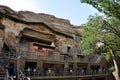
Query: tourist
x=14, y=77
x=34, y=70
x=71, y=71
x=49, y=71
x=26, y=77
x=100, y=71
x=20, y=77
x=2, y=61
x=10, y=69
x=28, y=71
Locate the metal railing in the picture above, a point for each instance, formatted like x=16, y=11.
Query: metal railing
x=61, y=73
x=95, y=59
x=60, y=58
x=9, y=54
x=40, y=55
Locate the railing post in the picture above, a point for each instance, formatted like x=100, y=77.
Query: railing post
x=75, y=68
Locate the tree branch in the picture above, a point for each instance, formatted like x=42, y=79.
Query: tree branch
x=112, y=28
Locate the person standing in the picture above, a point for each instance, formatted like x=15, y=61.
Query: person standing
x=10, y=69
x=26, y=77
x=28, y=71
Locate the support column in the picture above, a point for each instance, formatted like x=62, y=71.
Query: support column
x=1, y=44
x=66, y=66
x=75, y=68
x=20, y=63
x=1, y=37
x=39, y=65
x=89, y=68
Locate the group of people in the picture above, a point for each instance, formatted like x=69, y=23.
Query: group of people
x=14, y=75
x=2, y=60
x=46, y=72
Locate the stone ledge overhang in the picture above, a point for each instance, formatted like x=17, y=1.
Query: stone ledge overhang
x=34, y=18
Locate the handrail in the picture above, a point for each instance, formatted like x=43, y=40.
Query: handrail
x=41, y=55
x=96, y=59
x=61, y=73
x=9, y=54
x=7, y=74
x=1, y=67
x=8, y=77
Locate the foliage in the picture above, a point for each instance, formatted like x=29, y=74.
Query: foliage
x=99, y=29
x=110, y=29
x=107, y=29
x=109, y=7
x=112, y=68
x=91, y=34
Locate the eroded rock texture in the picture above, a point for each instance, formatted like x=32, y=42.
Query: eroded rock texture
x=46, y=28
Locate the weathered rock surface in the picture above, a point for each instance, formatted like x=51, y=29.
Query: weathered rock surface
x=58, y=25
x=41, y=26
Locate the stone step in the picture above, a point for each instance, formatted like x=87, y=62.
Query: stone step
x=2, y=74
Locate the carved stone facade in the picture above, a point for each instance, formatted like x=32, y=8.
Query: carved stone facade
x=41, y=41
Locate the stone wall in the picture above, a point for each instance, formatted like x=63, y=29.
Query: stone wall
x=1, y=38
x=64, y=33
x=14, y=29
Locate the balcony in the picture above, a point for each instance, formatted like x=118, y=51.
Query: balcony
x=55, y=56
x=40, y=75
x=51, y=57
x=8, y=54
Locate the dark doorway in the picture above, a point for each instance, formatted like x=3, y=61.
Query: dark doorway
x=31, y=65
x=68, y=49
x=5, y=48
x=95, y=68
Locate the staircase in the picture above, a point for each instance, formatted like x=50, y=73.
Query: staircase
x=2, y=72
x=98, y=59
x=10, y=47
x=2, y=75
x=1, y=68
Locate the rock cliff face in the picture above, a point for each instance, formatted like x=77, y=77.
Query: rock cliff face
x=1, y=36
x=59, y=31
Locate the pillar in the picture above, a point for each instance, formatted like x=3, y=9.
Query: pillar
x=1, y=39
x=1, y=44
x=20, y=63
x=39, y=65
x=66, y=66
x=89, y=68
x=75, y=66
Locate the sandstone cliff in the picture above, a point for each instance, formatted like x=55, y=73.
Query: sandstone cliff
x=47, y=27
x=58, y=25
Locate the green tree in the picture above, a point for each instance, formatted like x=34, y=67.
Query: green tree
x=109, y=7
x=98, y=29
x=91, y=34
x=110, y=27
